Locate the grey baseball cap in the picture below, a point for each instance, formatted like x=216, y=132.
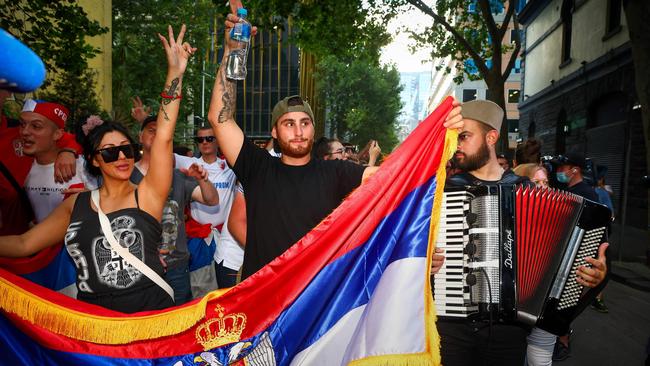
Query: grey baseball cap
x=484, y=111
x=292, y=103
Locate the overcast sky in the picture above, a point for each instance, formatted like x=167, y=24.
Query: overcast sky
x=398, y=52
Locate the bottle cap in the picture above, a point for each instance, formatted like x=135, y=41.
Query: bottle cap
x=242, y=12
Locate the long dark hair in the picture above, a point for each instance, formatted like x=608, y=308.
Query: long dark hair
x=529, y=152
x=94, y=138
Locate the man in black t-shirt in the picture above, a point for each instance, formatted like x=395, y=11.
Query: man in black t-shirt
x=468, y=341
x=285, y=197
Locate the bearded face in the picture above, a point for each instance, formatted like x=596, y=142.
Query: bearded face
x=296, y=147
x=470, y=162
x=295, y=134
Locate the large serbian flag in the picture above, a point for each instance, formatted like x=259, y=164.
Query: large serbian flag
x=51, y=268
x=354, y=291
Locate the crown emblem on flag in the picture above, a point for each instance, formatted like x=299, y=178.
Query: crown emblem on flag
x=221, y=330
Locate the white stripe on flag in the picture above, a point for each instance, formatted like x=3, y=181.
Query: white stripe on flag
x=391, y=323
x=70, y=290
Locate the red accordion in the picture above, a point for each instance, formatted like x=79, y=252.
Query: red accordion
x=513, y=251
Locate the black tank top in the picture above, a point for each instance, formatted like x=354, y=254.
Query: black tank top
x=100, y=271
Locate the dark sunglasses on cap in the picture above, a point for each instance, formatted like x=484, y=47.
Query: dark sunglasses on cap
x=111, y=154
x=200, y=139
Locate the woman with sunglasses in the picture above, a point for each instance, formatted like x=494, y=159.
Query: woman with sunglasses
x=103, y=277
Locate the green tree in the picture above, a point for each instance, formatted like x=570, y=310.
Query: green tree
x=139, y=62
x=345, y=29
x=363, y=101
x=467, y=30
x=57, y=31
x=80, y=101
x=361, y=97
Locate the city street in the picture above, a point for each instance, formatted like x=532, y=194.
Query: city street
x=616, y=338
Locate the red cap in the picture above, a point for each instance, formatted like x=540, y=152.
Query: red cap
x=52, y=111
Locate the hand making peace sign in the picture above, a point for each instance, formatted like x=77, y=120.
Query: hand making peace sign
x=177, y=51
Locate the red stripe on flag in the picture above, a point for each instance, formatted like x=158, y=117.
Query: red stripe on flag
x=278, y=284
x=31, y=264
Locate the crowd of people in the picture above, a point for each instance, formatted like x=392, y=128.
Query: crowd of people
x=147, y=227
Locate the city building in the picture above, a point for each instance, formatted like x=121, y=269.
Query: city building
x=442, y=82
x=102, y=63
x=579, y=95
x=415, y=94
x=468, y=90
x=274, y=69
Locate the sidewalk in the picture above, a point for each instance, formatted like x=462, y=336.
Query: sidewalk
x=633, y=274
x=618, y=338
x=629, y=260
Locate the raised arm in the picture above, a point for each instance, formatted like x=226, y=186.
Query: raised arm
x=155, y=185
x=221, y=114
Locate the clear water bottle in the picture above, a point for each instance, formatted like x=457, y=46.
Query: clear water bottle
x=241, y=33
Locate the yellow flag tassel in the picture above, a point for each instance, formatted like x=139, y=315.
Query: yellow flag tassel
x=431, y=357
x=99, y=329
x=109, y=330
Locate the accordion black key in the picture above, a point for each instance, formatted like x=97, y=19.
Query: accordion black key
x=513, y=251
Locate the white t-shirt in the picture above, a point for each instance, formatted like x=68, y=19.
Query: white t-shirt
x=45, y=194
x=224, y=180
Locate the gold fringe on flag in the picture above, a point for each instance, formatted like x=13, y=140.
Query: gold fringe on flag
x=414, y=359
x=114, y=331
x=99, y=329
x=431, y=356
x=433, y=338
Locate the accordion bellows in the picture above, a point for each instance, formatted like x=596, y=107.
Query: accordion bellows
x=512, y=252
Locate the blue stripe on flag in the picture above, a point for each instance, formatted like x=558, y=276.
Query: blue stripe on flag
x=350, y=281
x=345, y=284
x=58, y=274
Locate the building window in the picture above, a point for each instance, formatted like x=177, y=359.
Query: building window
x=470, y=67
x=613, y=16
x=567, y=20
x=469, y=94
x=513, y=95
x=516, y=69
x=472, y=7
x=514, y=33
x=488, y=95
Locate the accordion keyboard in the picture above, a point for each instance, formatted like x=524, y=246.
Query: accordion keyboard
x=588, y=248
x=451, y=293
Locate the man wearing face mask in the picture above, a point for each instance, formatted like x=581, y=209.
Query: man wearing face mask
x=569, y=172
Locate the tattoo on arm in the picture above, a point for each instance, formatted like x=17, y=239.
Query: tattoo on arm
x=171, y=92
x=228, y=97
x=162, y=108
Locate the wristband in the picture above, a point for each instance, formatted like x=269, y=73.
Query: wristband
x=70, y=151
x=172, y=97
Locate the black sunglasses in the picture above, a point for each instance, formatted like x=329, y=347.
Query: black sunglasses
x=111, y=154
x=200, y=139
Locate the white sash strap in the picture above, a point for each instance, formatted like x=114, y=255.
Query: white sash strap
x=124, y=252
